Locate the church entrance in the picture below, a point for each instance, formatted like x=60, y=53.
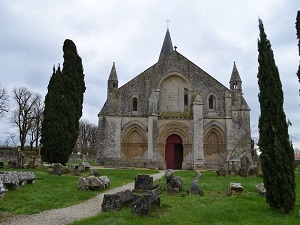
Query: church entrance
x=174, y=152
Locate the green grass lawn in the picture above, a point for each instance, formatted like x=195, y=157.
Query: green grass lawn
x=215, y=207
x=52, y=191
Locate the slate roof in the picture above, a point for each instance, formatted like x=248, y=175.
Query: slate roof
x=167, y=46
x=235, y=76
x=113, y=73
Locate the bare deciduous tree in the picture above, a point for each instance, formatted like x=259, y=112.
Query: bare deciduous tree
x=36, y=126
x=23, y=114
x=3, y=101
x=87, y=137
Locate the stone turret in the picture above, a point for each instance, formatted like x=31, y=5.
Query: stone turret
x=112, y=83
x=167, y=47
x=235, y=80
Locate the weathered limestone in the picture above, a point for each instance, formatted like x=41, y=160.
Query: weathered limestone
x=169, y=174
x=175, y=185
x=84, y=167
x=74, y=169
x=116, y=201
x=245, y=164
x=93, y=183
x=55, y=168
x=261, y=189
x=221, y=172
x=236, y=187
x=2, y=189
x=173, y=96
x=194, y=188
x=12, y=180
x=143, y=182
x=143, y=202
x=258, y=170
x=95, y=173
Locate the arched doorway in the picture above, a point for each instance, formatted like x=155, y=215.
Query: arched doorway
x=174, y=152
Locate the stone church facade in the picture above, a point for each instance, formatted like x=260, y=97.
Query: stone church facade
x=173, y=115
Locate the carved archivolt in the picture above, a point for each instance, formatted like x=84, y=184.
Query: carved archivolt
x=134, y=143
x=175, y=127
x=168, y=129
x=214, y=141
x=134, y=126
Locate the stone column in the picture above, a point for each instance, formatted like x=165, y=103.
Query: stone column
x=150, y=137
x=198, y=132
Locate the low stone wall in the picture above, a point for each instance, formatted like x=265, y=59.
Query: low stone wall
x=119, y=163
x=86, y=158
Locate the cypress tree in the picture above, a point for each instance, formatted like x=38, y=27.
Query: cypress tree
x=298, y=37
x=53, y=125
x=63, y=107
x=277, y=154
x=74, y=88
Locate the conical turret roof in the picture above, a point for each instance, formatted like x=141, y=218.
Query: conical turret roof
x=167, y=46
x=113, y=73
x=235, y=76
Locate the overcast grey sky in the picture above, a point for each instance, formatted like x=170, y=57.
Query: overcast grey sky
x=212, y=34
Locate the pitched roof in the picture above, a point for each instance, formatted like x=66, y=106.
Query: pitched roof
x=113, y=73
x=167, y=46
x=235, y=76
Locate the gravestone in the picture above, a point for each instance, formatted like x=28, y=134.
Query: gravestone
x=57, y=169
x=175, y=185
x=10, y=180
x=143, y=202
x=169, y=174
x=221, y=172
x=258, y=170
x=2, y=189
x=20, y=160
x=31, y=164
x=194, y=188
x=93, y=183
x=233, y=169
x=245, y=164
x=236, y=187
x=84, y=167
x=116, y=201
x=143, y=182
x=261, y=189
x=95, y=173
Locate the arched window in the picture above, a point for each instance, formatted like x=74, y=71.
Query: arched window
x=134, y=104
x=212, y=102
x=186, y=99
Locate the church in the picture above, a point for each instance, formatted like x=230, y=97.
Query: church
x=174, y=115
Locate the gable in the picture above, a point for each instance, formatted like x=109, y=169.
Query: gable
x=171, y=76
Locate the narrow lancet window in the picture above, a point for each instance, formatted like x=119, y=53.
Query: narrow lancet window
x=211, y=102
x=134, y=104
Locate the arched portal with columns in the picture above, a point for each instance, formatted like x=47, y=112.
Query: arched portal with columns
x=181, y=130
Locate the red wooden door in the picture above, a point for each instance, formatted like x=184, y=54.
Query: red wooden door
x=174, y=152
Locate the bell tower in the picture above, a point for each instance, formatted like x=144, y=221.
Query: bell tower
x=112, y=83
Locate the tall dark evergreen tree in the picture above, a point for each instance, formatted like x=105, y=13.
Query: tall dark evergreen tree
x=63, y=107
x=298, y=36
x=54, y=123
x=277, y=154
x=73, y=80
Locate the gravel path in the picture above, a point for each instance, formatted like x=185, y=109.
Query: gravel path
x=69, y=214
